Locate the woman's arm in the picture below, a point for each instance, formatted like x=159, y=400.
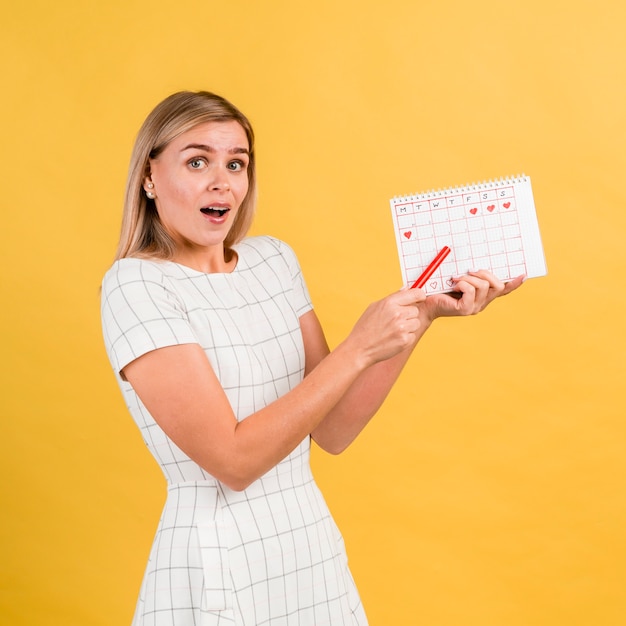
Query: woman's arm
x=364, y=397
x=180, y=389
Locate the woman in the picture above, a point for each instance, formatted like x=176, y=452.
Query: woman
x=225, y=368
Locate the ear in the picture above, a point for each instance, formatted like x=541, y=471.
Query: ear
x=148, y=185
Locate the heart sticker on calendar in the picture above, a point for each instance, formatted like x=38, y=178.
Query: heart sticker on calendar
x=408, y=234
x=474, y=211
x=491, y=207
x=433, y=285
x=449, y=282
x=507, y=205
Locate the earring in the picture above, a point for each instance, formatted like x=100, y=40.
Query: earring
x=150, y=195
x=150, y=185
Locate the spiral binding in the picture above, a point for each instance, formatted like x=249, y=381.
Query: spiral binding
x=503, y=181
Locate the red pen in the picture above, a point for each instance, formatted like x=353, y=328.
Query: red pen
x=429, y=271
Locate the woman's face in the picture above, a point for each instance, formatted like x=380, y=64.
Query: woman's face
x=199, y=181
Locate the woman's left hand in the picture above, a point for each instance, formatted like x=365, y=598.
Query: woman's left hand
x=472, y=293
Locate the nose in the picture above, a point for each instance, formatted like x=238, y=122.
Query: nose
x=219, y=180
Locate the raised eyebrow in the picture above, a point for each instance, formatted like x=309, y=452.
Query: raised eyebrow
x=205, y=148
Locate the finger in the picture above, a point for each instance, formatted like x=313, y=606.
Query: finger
x=478, y=288
x=411, y=326
x=412, y=312
x=479, y=285
x=467, y=291
x=513, y=284
x=493, y=281
x=419, y=295
x=410, y=295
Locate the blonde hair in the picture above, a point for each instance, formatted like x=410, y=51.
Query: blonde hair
x=142, y=233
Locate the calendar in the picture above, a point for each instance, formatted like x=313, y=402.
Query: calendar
x=491, y=225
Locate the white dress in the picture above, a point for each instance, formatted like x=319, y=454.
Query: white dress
x=270, y=554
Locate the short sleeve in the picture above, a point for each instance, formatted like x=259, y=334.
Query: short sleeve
x=141, y=312
x=302, y=299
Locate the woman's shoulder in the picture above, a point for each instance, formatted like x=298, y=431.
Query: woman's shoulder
x=264, y=247
x=132, y=270
x=269, y=256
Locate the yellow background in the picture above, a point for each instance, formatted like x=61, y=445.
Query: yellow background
x=490, y=489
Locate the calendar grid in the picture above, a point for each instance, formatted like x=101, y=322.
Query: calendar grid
x=487, y=226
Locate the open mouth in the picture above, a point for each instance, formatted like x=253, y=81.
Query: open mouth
x=215, y=211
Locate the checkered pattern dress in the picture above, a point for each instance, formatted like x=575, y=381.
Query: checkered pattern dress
x=270, y=554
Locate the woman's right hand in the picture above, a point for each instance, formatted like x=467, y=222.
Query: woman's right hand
x=388, y=326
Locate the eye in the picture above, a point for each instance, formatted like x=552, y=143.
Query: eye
x=236, y=166
x=196, y=164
